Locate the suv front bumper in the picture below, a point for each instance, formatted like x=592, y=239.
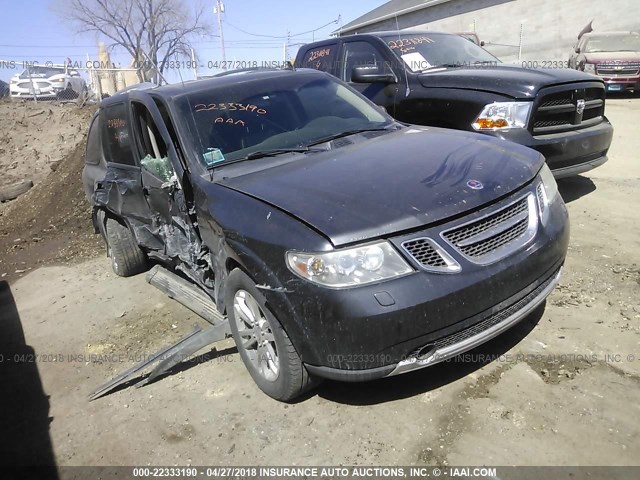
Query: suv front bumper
x=512, y=311
x=386, y=328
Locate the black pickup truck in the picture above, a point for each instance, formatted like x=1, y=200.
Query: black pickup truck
x=443, y=80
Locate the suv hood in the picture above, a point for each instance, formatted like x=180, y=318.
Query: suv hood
x=398, y=181
x=510, y=80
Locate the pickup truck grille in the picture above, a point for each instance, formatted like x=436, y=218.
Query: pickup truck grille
x=569, y=109
x=618, y=69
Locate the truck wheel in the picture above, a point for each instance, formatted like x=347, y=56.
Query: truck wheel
x=127, y=258
x=264, y=346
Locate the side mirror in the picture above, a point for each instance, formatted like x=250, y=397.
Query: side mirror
x=482, y=43
x=367, y=75
x=576, y=49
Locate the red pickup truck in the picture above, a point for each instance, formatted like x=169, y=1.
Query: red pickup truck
x=612, y=56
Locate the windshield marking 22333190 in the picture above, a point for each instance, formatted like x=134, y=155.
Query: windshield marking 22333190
x=240, y=122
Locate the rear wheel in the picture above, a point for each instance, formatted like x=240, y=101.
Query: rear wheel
x=127, y=258
x=264, y=346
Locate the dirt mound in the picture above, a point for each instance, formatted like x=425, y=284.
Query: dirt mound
x=35, y=137
x=49, y=224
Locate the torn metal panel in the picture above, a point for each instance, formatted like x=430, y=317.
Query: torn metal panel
x=125, y=376
x=197, y=301
x=121, y=192
x=168, y=357
x=187, y=348
x=186, y=293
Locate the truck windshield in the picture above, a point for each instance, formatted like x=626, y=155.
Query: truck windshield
x=613, y=43
x=424, y=51
x=281, y=113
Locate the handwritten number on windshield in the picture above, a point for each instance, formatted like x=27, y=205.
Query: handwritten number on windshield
x=408, y=42
x=232, y=106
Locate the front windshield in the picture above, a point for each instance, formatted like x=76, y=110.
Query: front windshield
x=227, y=123
x=41, y=72
x=613, y=43
x=423, y=51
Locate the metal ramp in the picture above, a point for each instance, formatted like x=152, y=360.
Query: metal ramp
x=195, y=300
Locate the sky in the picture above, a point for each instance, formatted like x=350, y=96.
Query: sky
x=32, y=32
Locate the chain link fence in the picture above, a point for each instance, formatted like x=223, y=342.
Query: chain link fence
x=64, y=84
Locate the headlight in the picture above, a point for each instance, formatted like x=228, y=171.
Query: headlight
x=58, y=80
x=503, y=115
x=590, y=68
x=549, y=184
x=350, y=266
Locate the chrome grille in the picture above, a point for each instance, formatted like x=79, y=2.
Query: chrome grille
x=540, y=195
x=489, y=245
x=494, y=236
x=431, y=256
x=424, y=253
x=468, y=231
x=28, y=84
x=620, y=69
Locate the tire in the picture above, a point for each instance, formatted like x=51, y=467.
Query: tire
x=276, y=367
x=127, y=258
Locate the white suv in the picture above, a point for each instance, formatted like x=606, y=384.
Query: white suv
x=47, y=82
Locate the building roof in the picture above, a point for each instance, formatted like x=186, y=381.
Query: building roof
x=384, y=12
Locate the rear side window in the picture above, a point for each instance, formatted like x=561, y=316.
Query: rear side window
x=117, y=132
x=320, y=58
x=92, y=155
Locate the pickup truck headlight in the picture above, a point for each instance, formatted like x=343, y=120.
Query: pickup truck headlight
x=349, y=267
x=503, y=115
x=590, y=68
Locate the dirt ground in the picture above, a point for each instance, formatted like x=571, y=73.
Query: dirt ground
x=562, y=388
x=34, y=137
x=51, y=222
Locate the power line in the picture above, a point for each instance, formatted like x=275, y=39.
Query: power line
x=319, y=28
x=281, y=37
x=254, y=34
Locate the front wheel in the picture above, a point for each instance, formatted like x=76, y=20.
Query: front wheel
x=264, y=346
x=127, y=258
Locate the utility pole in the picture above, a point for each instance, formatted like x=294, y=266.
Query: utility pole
x=285, y=52
x=219, y=10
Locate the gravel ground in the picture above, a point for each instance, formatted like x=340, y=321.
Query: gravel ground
x=561, y=388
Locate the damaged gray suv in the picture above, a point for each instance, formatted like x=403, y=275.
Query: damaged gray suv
x=334, y=241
